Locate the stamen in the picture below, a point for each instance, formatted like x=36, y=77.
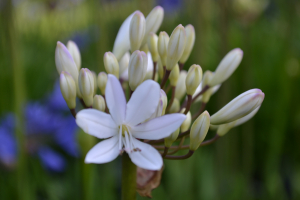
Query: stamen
x=120, y=138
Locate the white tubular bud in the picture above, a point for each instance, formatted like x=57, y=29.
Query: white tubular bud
x=206, y=78
x=199, y=130
x=95, y=82
x=64, y=61
x=175, y=106
x=190, y=41
x=186, y=123
x=239, y=107
x=169, y=140
x=137, y=30
x=68, y=89
x=180, y=89
x=102, y=80
x=111, y=64
x=137, y=69
x=174, y=75
x=86, y=86
x=160, y=69
x=123, y=63
x=152, y=45
x=193, y=79
x=153, y=21
x=162, y=47
x=176, y=46
x=227, y=66
x=99, y=103
x=74, y=51
x=164, y=99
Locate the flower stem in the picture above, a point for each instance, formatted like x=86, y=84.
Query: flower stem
x=128, y=178
x=164, y=80
x=154, y=70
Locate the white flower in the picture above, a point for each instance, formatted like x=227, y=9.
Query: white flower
x=125, y=124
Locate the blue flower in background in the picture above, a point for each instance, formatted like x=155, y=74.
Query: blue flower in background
x=170, y=6
x=46, y=126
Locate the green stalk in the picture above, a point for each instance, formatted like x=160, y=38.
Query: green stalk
x=128, y=178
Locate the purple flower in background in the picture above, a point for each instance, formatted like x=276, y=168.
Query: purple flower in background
x=170, y=6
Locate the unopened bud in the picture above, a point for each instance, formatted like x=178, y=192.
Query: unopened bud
x=160, y=68
x=102, y=80
x=137, y=69
x=68, y=89
x=86, y=86
x=162, y=47
x=111, y=64
x=176, y=46
x=152, y=45
x=174, y=75
x=172, y=138
x=227, y=66
x=137, y=30
x=190, y=41
x=199, y=130
x=175, y=106
x=187, y=122
x=180, y=89
x=193, y=79
x=206, y=78
x=95, y=82
x=99, y=103
x=239, y=107
x=74, y=51
x=164, y=99
x=123, y=64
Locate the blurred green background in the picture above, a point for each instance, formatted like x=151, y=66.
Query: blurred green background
x=258, y=160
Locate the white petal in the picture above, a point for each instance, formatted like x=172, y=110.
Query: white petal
x=103, y=152
x=146, y=157
x=96, y=123
x=150, y=62
x=142, y=103
x=159, y=127
x=115, y=99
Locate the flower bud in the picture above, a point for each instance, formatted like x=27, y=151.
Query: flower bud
x=164, y=99
x=176, y=46
x=162, y=47
x=111, y=64
x=74, y=51
x=99, y=103
x=239, y=107
x=68, y=89
x=180, y=89
x=175, y=106
x=187, y=122
x=123, y=63
x=152, y=45
x=86, y=86
x=172, y=138
x=102, y=80
x=226, y=67
x=137, y=30
x=199, y=130
x=137, y=69
x=160, y=69
x=64, y=61
x=174, y=75
x=193, y=79
x=95, y=82
x=190, y=41
x=206, y=78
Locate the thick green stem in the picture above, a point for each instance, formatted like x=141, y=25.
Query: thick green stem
x=128, y=178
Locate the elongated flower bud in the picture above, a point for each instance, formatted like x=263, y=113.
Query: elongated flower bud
x=180, y=89
x=64, y=61
x=193, y=79
x=164, y=99
x=137, y=69
x=102, y=80
x=95, y=82
x=123, y=63
x=206, y=78
x=160, y=69
x=176, y=46
x=68, y=89
x=99, y=103
x=238, y=107
x=174, y=75
x=162, y=47
x=226, y=67
x=86, y=86
x=187, y=122
x=152, y=45
x=175, y=106
x=74, y=51
x=137, y=30
x=169, y=140
x=190, y=41
x=111, y=64
x=199, y=130
x=153, y=21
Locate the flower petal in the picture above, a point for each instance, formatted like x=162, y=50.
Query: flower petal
x=115, y=99
x=146, y=157
x=142, y=103
x=96, y=123
x=159, y=127
x=103, y=152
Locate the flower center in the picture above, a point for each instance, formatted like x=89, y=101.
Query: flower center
x=126, y=140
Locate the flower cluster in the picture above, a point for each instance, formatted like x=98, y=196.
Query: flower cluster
x=149, y=68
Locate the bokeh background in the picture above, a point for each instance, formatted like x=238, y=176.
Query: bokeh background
x=42, y=150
